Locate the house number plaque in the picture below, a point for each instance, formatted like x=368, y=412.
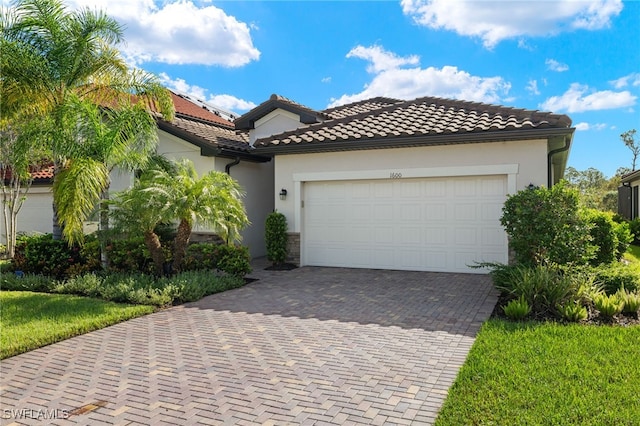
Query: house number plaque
x=395, y=175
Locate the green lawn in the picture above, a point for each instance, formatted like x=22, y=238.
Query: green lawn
x=32, y=320
x=633, y=254
x=548, y=374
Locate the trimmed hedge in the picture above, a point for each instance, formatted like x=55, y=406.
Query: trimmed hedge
x=42, y=255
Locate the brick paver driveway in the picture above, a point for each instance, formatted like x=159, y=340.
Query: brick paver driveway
x=308, y=346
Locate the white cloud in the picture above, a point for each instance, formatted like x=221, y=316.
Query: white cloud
x=632, y=79
x=380, y=59
x=586, y=126
x=493, y=22
x=178, y=32
x=408, y=83
x=224, y=101
x=554, y=65
x=532, y=87
x=580, y=98
x=326, y=80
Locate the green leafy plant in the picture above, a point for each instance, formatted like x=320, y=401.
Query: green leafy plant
x=547, y=226
x=276, y=237
x=573, y=311
x=616, y=276
x=610, y=238
x=609, y=306
x=631, y=302
x=517, y=309
x=543, y=287
x=231, y=259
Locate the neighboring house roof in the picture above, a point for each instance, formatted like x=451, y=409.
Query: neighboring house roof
x=214, y=135
x=386, y=123
x=40, y=174
x=631, y=176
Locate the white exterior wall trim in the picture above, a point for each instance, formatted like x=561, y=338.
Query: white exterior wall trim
x=510, y=170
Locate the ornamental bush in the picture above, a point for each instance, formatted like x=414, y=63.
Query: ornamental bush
x=546, y=226
x=276, y=237
x=611, y=239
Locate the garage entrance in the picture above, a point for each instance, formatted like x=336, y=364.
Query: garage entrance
x=417, y=224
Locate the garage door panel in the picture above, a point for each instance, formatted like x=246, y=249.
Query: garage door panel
x=384, y=235
x=437, y=224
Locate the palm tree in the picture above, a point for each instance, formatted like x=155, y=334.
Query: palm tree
x=58, y=59
x=107, y=138
x=164, y=195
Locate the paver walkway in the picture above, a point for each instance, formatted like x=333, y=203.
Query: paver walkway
x=308, y=346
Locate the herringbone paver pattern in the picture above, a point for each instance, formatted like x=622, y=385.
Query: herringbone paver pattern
x=310, y=346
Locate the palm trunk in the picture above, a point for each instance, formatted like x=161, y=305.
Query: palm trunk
x=104, y=226
x=57, y=226
x=180, y=244
x=155, y=248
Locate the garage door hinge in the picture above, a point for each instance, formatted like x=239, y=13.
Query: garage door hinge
x=302, y=204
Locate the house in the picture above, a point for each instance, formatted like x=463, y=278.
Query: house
x=412, y=185
x=199, y=133
x=628, y=196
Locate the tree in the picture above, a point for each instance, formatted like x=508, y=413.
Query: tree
x=596, y=191
x=19, y=158
x=57, y=59
x=629, y=139
x=163, y=195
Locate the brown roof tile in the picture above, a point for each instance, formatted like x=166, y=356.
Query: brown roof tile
x=186, y=108
x=387, y=119
x=197, y=124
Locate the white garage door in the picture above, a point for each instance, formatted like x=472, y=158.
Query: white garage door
x=429, y=224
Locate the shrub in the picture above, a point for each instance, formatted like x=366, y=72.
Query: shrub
x=573, y=311
x=517, y=309
x=194, y=285
x=634, y=229
x=631, y=302
x=128, y=254
x=41, y=254
x=26, y=282
x=234, y=260
x=546, y=226
x=608, y=306
x=610, y=238
x=276, y=237
x=543, y=287
x=615, y=276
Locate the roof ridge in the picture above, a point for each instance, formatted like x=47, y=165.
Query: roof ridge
x=363, y=101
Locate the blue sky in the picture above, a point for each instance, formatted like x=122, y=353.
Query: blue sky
x=580, y=58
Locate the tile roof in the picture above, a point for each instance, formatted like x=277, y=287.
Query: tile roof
x=39, y=174
x=307, y=115
x=384, y=119
x=203, y=127
x=212, y=134
x=186, y=108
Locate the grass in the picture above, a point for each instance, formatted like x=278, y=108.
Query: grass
x=633, y=254
x=31, y=320
x=547, y=374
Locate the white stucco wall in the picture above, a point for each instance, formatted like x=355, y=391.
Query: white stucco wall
x=36, y=213
x=529, y=158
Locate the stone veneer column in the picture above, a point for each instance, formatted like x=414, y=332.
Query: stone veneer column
x=293, y=247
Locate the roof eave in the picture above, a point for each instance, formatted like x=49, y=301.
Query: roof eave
x=248, y=120
x=414, y=141
x=208, y=148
